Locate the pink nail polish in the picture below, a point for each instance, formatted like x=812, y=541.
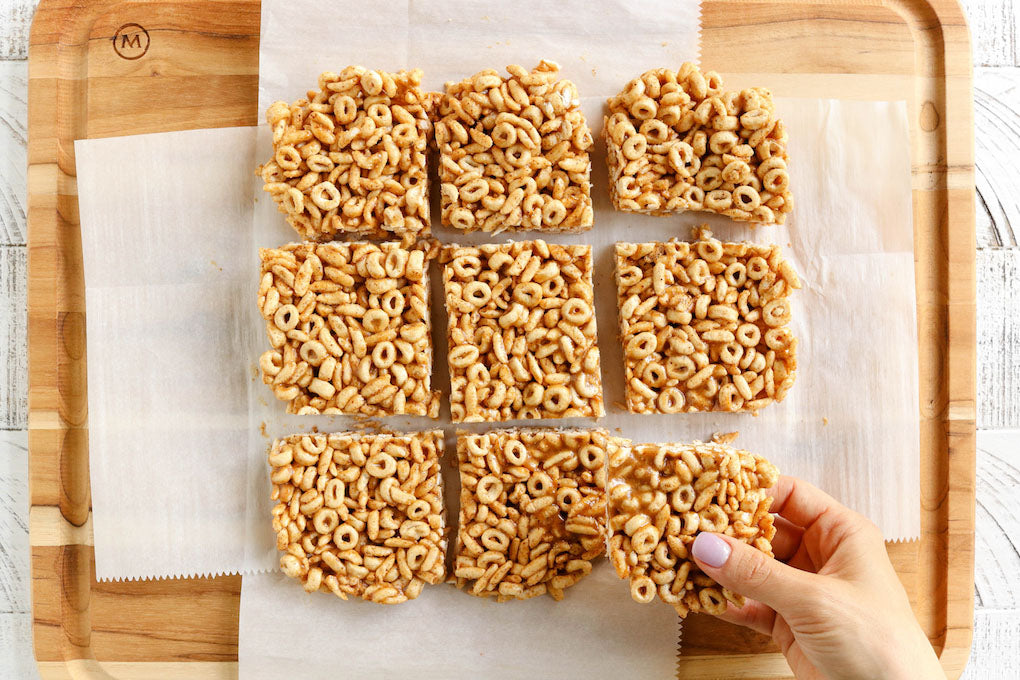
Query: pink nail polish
x=711, y=549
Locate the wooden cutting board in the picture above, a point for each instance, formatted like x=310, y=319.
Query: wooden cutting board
x=100, y=68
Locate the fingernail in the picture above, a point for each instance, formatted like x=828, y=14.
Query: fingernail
x=711, y=549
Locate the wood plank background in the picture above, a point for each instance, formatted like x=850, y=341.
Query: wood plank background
x=995, y=26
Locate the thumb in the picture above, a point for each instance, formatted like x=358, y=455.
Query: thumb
x=746, y=570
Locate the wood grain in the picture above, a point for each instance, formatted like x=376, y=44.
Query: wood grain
x=998, y=338
x=15, y=18
x=997, y=146
x=78, y=88
x=995, y=25
x=998, y=545
x=13, y=363
x=996, y=645
x=13, y=148
x=14, y=574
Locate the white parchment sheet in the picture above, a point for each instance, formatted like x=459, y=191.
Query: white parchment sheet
x=165, y=228
x=179, y=480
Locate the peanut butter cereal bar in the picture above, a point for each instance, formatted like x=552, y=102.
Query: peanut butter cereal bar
x=661, y=495
x=704, y=325
x=360, y=514
x=522, y=340
x=677, y=141
x=532, y=510
x=349, y=329
x=349, y=158
x=514, y=152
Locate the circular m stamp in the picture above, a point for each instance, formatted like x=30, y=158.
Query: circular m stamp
x=131, y=41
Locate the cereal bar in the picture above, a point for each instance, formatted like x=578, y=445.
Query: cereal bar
x=704, y=325
x=677, y=141
x=522, y=340
x=514, y=152
x=661, y=495
x=350, y=157
x=348, y=325
x=532, y=510
x=360, y=514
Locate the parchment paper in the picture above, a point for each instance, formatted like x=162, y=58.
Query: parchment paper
x=169, y=239
x=166, y=226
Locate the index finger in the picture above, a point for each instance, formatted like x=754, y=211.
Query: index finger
x=800, y=502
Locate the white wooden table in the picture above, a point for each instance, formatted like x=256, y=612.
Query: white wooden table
x=995, y=26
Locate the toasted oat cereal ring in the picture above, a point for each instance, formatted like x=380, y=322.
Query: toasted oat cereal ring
x=539, y=484
x=494, y=539
x=680, y=367
x=314, y=352
x=644, y=539
x=381, y=465
x=776, y=312
x=345, y=537
x=462, y=218
x=643, y=108
x=566, y=498
x=718, y=199
x=515, y=452
x=466, y=266
x=670, y=400
x=634, y=147
x=474, y=191
x=709, y=250
x=478, y=293
x=293, y=201
x=463, y=356
x=592, y=457
x=746, y=198
x=654, y=374
x=384, y=354
x=419, y=509
x=528, y=294
x=554, y=213
x=325, y=196
x=712, y=601
x=416, y=555
x=779, y=339
x=557, y=399
x=777, y=181
x=489, y=489
x=723, y=142
x=576, y=311
x=641, y=345
x=695, y=196
x=325, y=520
x=375, y=320
x=642, y=589
x=504, y=134
x=286, y=317
x=288, y=157
x=392, y=303
x=708, y=179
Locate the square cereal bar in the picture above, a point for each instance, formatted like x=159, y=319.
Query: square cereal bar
x=677, y=141
x=349, y=158
x=348, y=325
x=360, y=514
x=514, y=153
x=532, y=510
x=704, y=325
x=522, y=340
x=661, y=495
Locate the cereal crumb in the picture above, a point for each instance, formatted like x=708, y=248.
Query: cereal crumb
x=725, y=437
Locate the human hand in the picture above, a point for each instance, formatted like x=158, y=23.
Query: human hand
x=836, y=608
